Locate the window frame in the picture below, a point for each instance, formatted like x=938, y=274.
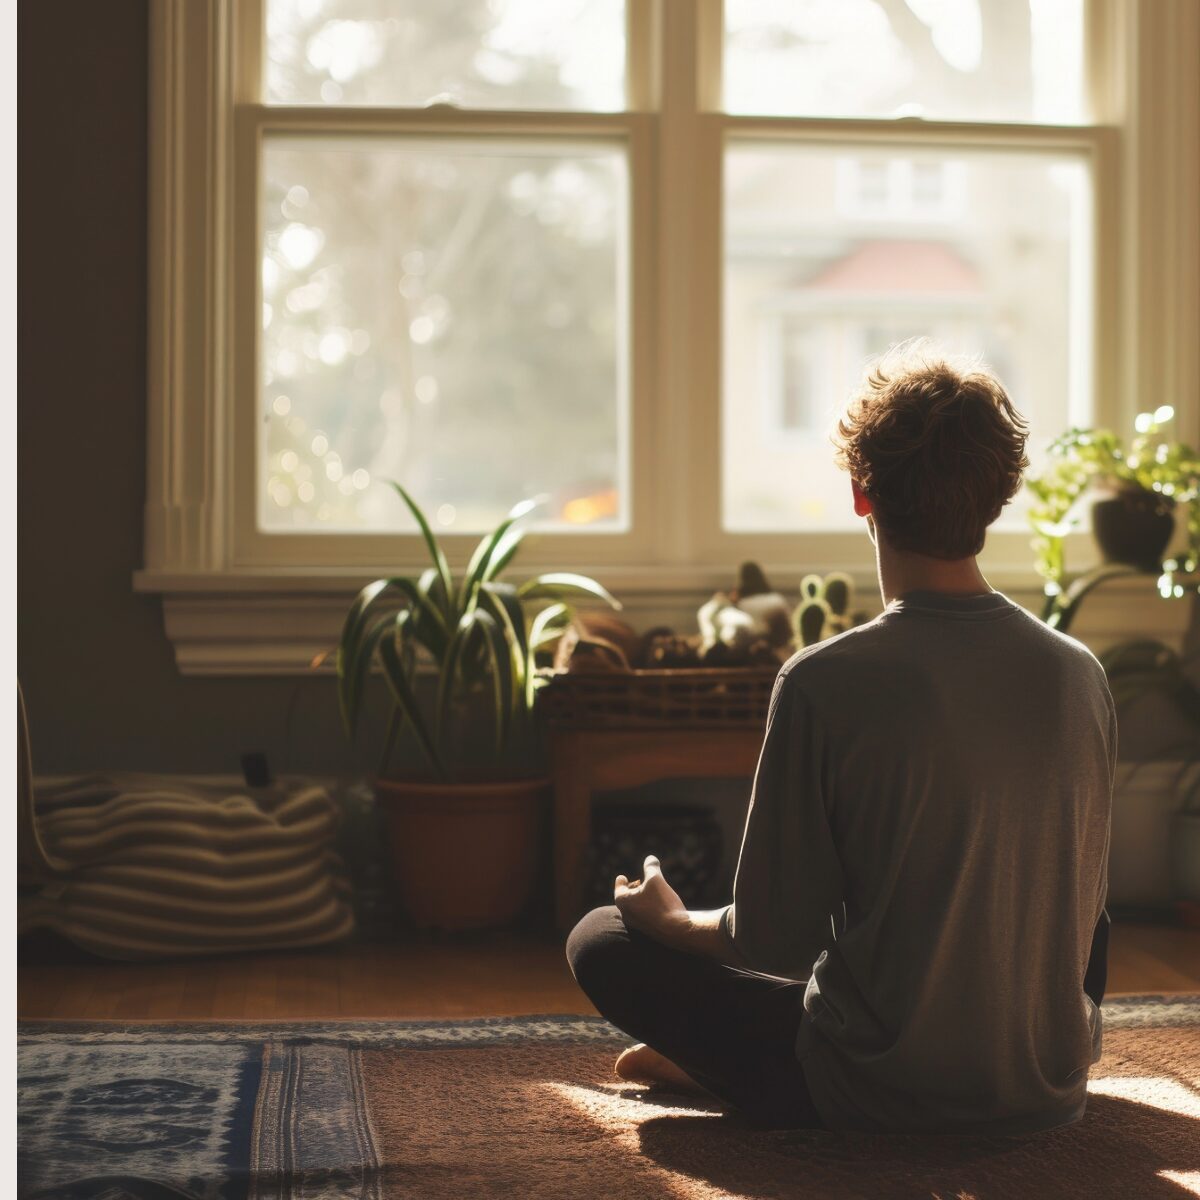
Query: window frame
x=206, y=126
x=254, y=122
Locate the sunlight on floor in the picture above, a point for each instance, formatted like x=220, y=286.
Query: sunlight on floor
x=620, y=1109
x=1186, y=1179
x=1156, y=1091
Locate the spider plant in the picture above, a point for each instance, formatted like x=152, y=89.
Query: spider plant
x=481, y=634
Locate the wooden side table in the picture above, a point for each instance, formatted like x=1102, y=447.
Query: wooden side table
x=584, y=761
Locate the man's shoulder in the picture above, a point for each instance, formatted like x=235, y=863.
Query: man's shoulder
x=885, y=643
x=861, y=644
x=1070, y=651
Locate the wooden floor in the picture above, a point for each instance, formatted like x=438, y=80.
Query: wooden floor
x=497, y=976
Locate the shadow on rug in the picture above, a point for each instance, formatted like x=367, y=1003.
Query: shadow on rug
x=528, y=1106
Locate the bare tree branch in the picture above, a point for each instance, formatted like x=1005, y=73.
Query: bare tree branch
x=918, y=39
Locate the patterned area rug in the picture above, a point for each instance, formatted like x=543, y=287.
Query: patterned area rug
x=529, y=1107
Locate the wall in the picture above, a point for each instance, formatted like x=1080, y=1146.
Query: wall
x=99, y=678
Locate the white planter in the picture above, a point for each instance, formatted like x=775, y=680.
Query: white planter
x=1146, y=798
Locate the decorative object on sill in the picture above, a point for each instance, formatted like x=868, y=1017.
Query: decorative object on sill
x=597, y=641
x=690, y=837
x=701, y=697
x=464, y=839
x=1141, y=490
x=665, y=649
x=140, y=867
x=824, y=608
x=748, y=625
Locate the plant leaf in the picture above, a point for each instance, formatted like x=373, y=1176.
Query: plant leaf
x=429, y=625
x=448, y=674
x=547, y=625
x=559, y=584
x=501, y=673
x=501, y=601
x=352, y=670
x=478, y=569
x=395, y=724
x=505, y=551
x=401, y=687
x=435, y=551
x=355, y=624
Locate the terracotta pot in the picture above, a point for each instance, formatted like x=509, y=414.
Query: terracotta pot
x=1134, y=527
x=466, y=854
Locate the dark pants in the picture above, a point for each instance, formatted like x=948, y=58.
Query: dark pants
x=732, y=1031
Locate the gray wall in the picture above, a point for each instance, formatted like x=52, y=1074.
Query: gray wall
x=97, y=669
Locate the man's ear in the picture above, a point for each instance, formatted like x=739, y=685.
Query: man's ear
x=862, y=505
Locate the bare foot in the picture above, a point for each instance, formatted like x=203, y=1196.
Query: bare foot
x=640, y=1064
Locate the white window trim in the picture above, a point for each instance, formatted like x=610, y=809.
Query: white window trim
x=230, y=613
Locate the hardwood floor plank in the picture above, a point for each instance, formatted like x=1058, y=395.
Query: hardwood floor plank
x=1153, y=958
x=430, y=978
x=199, y=993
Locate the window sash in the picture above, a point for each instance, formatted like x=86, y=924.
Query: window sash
x=675, y=384
x=675, y=137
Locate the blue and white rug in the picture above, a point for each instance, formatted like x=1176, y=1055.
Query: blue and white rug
x=373, y=1110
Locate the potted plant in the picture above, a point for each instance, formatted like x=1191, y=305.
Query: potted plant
x=463, y=828
x=1134, y=516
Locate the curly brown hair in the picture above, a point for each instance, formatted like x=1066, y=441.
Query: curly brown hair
x=937, y=448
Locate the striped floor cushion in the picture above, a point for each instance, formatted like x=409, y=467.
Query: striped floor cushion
x=157, y=867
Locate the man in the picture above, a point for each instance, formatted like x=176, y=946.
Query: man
x=917, y=935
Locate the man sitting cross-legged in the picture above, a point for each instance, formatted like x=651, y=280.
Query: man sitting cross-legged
x=917, y=935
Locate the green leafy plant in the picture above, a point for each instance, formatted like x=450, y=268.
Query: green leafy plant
x=1085, y=459
x=481, y=635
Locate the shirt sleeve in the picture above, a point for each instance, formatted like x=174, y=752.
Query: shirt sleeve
x=789, y=880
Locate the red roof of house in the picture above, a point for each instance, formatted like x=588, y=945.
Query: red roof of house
x=898, y=267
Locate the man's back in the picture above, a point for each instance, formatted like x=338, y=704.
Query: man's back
x=964, y=759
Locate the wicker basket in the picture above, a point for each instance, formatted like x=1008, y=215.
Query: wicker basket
x=718, y=698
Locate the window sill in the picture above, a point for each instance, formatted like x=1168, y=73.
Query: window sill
x=255, y=623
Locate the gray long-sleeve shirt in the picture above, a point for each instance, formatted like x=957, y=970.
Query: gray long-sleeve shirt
x=927, y=845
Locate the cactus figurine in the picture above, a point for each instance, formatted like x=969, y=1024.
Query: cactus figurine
x=839, y=595
x=811, y=619
x=824, y=607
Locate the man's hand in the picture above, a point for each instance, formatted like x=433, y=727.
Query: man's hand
x=652, y=906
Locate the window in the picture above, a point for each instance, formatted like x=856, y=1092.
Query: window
x=843, y=252
x=423, y=299
x=629, y=256
x=444, y=260
x=985, y=246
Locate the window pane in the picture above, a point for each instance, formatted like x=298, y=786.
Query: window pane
x=451, y=316
x=473, y=53
x=965, y=60
x=831, y=257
